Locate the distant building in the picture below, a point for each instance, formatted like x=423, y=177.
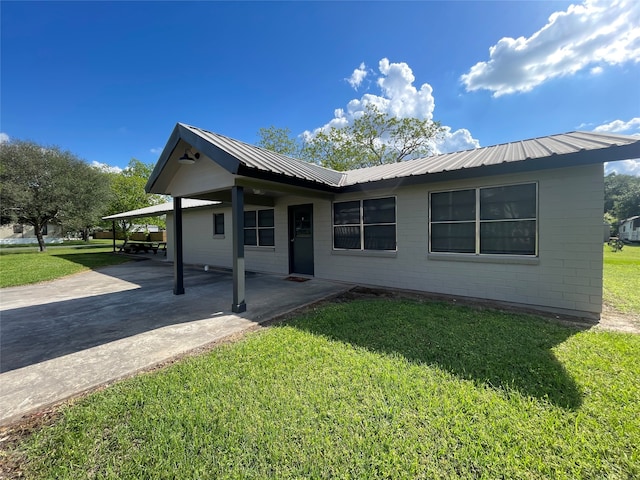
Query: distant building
x=629, y=230
x=21, y=234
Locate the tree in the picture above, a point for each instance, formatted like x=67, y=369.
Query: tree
x=374, y=138
x=127, y=193
x=42, y=185
x=278, y=140
x=621, y=196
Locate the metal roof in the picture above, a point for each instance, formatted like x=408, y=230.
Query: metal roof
x=525, y=150
x=554, y=151
x=155, y=210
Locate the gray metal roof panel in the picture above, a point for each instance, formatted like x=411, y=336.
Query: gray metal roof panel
x=536, y=148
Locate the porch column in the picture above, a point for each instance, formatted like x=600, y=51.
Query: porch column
x=237, y=222
x=113, y=231
x=178, y=266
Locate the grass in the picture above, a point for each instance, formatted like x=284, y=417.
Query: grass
x=26, y=266
x=621, y=282
x=368, y=389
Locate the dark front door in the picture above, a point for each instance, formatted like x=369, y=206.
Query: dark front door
x=301, y=239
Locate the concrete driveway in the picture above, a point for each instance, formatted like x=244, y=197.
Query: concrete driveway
x=61, y=338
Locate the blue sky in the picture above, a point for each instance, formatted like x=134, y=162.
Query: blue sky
x=109, y=80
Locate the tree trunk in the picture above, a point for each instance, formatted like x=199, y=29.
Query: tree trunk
x=40, y=238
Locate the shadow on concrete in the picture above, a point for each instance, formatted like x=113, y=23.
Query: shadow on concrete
x=503, y=351
x=32, y=334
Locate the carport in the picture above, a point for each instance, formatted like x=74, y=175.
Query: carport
x=154, y=211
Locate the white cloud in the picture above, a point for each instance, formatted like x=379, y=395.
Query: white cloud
x=590, y=35
x=4, y=138
x=619, y=126
x=105, y=168
x=456, y=141
x=623, y=167
x=630, y=127
x=156, y=151
x=358, y=75
x=400, y=98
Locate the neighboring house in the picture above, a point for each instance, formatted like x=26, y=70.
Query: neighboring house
x=489, y=223
x=22, y=234
x=629, y=230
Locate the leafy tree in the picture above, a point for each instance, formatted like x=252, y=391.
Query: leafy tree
x=42, y=185
x=621, y=196
x=127, y=193
x=279, y=140
x=374, y=138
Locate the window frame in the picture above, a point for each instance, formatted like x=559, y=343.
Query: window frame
x=258, y=228
x=216, y=232
x=478, y=222
x=361, y=225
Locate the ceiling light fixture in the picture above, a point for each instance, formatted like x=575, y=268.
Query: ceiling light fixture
x=186, y=159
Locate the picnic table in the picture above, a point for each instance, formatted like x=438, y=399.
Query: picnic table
x=135, y=246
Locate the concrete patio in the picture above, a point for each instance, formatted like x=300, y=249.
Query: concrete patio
x=61, y=338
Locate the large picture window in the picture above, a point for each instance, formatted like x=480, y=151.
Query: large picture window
x=259, y=228
x=365, y=224
x=492, y=220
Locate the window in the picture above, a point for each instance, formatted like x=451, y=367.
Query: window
x=45, y=229
x=493, y=220
x=218, y=224
x=259, y=228
x=18, y=228
x=365, y=224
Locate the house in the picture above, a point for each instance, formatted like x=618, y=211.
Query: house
x=488, y=223
x=629, y=230
x=19, y=234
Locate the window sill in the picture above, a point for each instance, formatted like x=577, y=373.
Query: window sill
x=471, y=257
x=254, y=248
x=219, y=236
x=366, y=253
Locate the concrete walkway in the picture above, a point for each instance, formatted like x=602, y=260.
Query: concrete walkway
x=61, y=338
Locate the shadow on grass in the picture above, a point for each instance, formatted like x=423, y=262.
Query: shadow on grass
x=501, y=350
x=93, y=260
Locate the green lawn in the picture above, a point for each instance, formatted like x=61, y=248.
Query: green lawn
x=621, y=283
x=30, y=266
x=368, y=389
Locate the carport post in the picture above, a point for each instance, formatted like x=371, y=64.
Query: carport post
x=113, y=232
x=178, y=267
x=237, y=222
